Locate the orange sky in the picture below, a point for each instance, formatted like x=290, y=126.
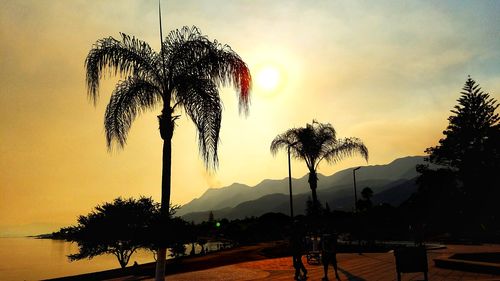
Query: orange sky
x=386, y=72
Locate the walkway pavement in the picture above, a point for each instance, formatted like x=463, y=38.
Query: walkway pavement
x=352, y=267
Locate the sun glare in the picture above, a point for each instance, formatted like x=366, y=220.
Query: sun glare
x=268, y=78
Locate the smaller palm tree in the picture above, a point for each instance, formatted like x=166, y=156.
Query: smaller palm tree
x=314, y=143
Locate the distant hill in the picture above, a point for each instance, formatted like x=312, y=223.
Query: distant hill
x=239, y=200
x=401, y=168
x=393, y=193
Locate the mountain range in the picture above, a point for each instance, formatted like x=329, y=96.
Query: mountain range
x=391, y=183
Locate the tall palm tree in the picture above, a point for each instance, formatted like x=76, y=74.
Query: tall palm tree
x=314, y=143
x=185, y=75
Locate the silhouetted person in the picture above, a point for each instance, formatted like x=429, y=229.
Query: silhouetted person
x=329, y=254
x=297, y=247
x=193, y=252
x=135, y=268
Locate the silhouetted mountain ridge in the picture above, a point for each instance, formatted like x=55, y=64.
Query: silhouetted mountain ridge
x=393, y=193
x=378, y=177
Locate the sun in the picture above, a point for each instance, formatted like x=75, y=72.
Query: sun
x=268, y=78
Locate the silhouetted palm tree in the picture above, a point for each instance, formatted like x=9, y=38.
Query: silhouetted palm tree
x=315, y=142
x=185, y=74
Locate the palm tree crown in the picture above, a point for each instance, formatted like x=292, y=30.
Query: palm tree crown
x=317, y=142
x=186, y=73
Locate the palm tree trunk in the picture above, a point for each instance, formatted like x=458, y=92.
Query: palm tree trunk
x=166, y=132
x=313, y=184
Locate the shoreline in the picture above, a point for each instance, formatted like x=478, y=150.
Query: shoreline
x=231, y=256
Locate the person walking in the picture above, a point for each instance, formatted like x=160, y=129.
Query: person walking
x=297, y=247
x=329, y=254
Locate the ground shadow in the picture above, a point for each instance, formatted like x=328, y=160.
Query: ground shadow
x=349, y=276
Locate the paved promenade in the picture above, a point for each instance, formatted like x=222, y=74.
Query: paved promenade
x=352, y=267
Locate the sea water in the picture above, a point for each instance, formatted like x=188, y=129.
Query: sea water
x=35, y=259
x=28, y=258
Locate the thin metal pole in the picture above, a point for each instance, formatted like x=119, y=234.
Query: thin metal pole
x=356, y=206
x=355, y=191
x=290, y=183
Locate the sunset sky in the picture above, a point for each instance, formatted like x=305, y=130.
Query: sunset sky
x=387, y=72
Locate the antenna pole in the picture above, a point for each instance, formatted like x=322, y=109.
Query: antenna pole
x=159, y=14
x=163, y=62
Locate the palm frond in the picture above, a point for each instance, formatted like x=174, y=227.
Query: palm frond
x=187, y=52
x=310, y=145
x=297, y=141
x=233, y=70
x=200, y=99
x=129, y=56
x=178, y=37
x=283, y=141
x=130, y=98
x=324, y=132
x=346, y=147
x=317, y=141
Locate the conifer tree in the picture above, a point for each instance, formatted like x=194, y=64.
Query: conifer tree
x=471, y=149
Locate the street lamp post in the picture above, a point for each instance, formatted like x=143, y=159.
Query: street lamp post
x=355, y=191
x=290, y=183
x=356, y=206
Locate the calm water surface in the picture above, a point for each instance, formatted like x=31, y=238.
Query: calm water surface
x=35, y=259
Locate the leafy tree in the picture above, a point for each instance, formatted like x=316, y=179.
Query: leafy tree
x=178, y=250
x=313, y=208
x=471, y=149
x=314, y=143
x=64, y=233
x=167, y=232
x=185, y=74
x=192, y=236
x=367, y=193
x=116, y=228
x=202, y=242
x=365, y=203
x=327, y=208
x=438, y=207
x=211, y=217
x=192, y=252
